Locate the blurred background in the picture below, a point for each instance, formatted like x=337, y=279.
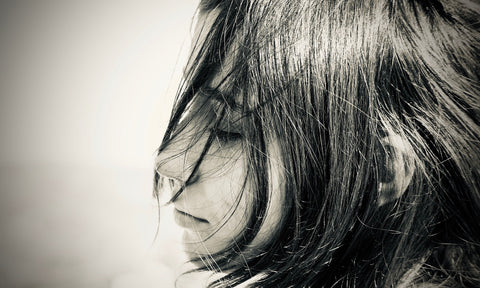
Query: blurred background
x=86, y=89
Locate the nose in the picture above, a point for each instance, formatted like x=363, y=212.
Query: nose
x=177, y=159
x=172, y=163
x=171, y=171
x=175, y=164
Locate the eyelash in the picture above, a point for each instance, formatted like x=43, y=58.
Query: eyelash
x=226, y=136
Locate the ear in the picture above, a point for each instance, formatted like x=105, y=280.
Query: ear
x=399, y=165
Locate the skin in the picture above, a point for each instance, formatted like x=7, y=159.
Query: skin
x=213, y=210
x=215, y=200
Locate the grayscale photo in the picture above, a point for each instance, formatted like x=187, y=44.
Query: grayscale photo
x=240, y=143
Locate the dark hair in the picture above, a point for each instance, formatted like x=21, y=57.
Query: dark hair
x=326, y=80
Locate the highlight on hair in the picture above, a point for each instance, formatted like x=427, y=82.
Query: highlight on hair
x=325, y=79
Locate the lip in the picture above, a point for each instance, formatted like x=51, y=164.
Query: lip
x=186, y=220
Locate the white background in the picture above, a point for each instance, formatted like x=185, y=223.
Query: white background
x=86, y=89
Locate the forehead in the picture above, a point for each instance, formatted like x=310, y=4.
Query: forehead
x=220, y=83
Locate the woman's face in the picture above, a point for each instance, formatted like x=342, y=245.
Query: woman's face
x=215, y=207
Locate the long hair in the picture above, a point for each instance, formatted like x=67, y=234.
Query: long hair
x=326, y=80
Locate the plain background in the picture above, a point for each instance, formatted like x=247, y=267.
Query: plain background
x=86, y=89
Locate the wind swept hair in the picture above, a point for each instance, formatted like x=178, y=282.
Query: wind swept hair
x=326, y=80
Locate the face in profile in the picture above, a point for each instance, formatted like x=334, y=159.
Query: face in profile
x=216, y=201
x=214, y=207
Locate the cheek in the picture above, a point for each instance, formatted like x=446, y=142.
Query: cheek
x=222, y=197
x=225, y=201
x=219, y=235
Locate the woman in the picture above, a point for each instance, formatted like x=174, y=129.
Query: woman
x=329, y=144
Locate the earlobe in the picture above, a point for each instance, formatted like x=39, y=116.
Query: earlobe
x=399, y=164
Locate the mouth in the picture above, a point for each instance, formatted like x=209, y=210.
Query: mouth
x=186, y=220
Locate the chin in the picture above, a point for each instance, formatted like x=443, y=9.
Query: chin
x=193, y=246
x=197, y=251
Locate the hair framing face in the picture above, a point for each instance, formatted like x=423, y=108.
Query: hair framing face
x=328, y=81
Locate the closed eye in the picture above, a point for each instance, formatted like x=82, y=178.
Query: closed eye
x=226, y=136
